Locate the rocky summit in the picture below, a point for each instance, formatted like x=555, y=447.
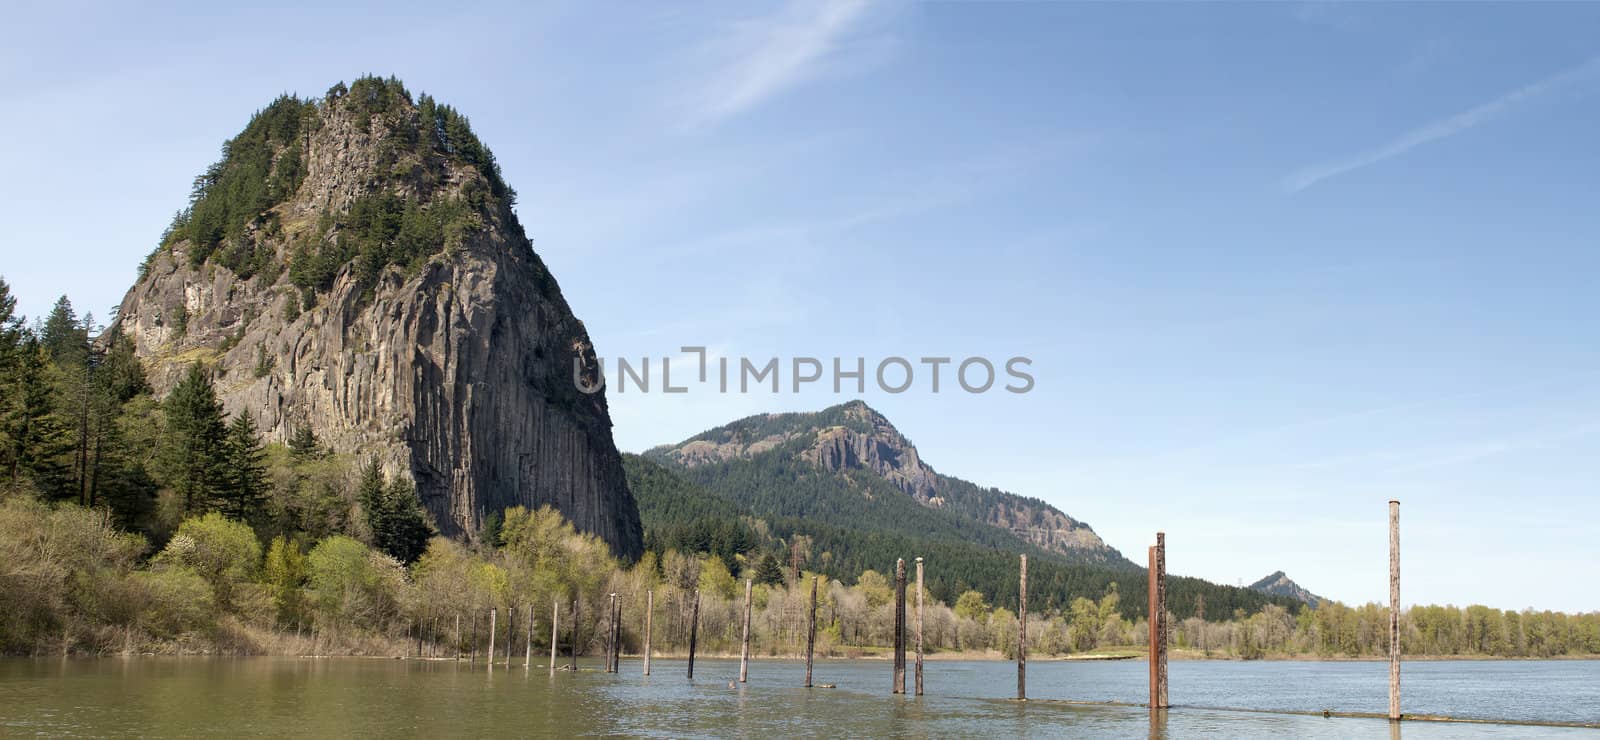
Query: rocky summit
x=353, y=265
x=853, y=440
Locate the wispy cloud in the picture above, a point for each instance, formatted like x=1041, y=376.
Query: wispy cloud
x=1309, y=176
x=760, y=58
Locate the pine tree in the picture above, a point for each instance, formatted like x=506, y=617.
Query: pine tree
x=394, y=516
x=38, y=446
x=303, y=444
x=65, y=338
x=245, y=470
x=192, y=447
x=769, y=571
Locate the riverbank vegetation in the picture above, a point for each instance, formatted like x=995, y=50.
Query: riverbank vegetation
x=130, y=523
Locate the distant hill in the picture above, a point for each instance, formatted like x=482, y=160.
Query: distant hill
x=849, y=492
x=1279, y=584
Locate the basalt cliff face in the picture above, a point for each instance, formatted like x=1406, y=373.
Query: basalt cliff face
x=353, y=265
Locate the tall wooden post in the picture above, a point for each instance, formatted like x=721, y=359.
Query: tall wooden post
x=900, y=625
x=1394, y=610
x=1158, y=622
x=811, y=631
x=649, y=624
x=474, y=636
x=919, y=627
x=576, y=605
x=527, y=657
x=555, y=634
x=611, y=633
x=493, y=618
x=616, y=634
x=1022, y=632
x=458, y=636
x=511, y=631
x=744, y=650
x=694, y=630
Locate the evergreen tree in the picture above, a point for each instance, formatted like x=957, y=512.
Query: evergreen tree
x=10, y=331
x=769, y=571
x=394, y=515
x=245, y=469
x=65, y=338
x=192, y=446
x=303, y=444
x=38, y=446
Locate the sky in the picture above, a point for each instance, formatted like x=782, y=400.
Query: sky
x=1274, y=264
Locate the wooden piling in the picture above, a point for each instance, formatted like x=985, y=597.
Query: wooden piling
x=811, y=631
x=458, y=636
x=744, y=650
x=474, y=636
x=1157, y=622
x=900, y=625
x=919, y=627
x=576, y=603
x=649, y=624
x=1022, y=631
x=555, y=632
x=527, y=656
x=616, y=634
x=1394, y=611
x=493, y=618
x=511, y=631
x=611, y=618
x=694, y=630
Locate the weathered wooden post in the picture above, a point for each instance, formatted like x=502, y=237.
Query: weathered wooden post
x=474, y=636
x=555, y=634
x=576, y=604
x=511, y=630
x=1158, y=622
x=811, y=631
x=493, y=618
x=616, y=635
x=744, y=650
x=527, y=656
x=649, y=624
x=458, y=636
x=900, y=625
x=1022, y=631
x=1394, y=610
x=611, y=617
x=919, y=627
x=694, y=630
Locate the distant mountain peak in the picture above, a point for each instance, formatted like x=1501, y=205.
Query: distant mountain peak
x=1279, y=584
x=852, y=439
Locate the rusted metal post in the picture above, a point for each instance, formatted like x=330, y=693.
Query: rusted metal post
x=1394, y=610
x=649, y=624
x=1022, y=632
x=1157, y=648
x=493, y=619
x=811, y=631
x=919, y=627
x=900, y=626
x=694, y=630
x=555, y=634
x=744, y=650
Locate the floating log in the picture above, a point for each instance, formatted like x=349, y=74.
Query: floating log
x=1022, y=631
x=744, y=651
x=1394, y=611
x=811, y=631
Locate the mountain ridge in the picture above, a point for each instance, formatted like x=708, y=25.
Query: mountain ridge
x=1278, y=583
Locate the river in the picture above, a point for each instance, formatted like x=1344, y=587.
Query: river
x=342, y=697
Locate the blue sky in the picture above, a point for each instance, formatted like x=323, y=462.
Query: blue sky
x=1275, y=263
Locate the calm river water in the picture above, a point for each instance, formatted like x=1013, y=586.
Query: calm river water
x=342, y=697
